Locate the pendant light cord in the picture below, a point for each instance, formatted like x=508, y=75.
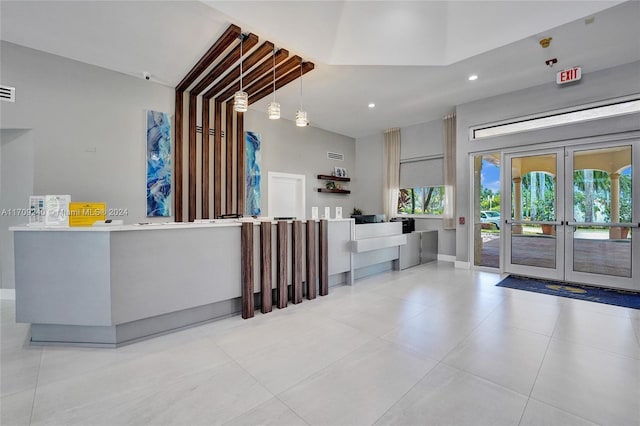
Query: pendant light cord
x=301, y=85
x=241, y=43
x=274, y=74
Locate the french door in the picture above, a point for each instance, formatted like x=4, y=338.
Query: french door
x=572, y=214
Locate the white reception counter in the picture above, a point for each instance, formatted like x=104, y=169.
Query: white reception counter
x=106, y=286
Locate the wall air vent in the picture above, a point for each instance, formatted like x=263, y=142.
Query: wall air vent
x=7, y=93
x=335, y=156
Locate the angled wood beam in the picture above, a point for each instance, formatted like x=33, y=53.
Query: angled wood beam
x=254, y=97
x=228, y=164
x=204, y=185
x=255, y=57
x=226, y=39
x=193, y=103
x=249, y=42
x=257, y=73
x=217, y=160
x=177, y=197
x=240, y=179
x=292, y=64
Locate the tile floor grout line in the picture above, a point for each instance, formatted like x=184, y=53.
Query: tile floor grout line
x=35, y=389
x=535, y=380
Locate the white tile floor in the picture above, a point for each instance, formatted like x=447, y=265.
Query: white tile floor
x=432, y=345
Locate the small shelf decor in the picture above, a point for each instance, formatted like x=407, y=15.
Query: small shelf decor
x=331, y=185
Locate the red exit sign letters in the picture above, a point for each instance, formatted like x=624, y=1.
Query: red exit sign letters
x=567, y=76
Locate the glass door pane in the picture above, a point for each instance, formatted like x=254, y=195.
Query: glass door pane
x=535, y=242
x=487, y=206
x=599, y=246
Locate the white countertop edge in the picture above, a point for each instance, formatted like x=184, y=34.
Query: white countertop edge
x=152, y=226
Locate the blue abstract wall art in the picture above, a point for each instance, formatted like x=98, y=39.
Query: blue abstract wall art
x=158, y=164
x=253, y=144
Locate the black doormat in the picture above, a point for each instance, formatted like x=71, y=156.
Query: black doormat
x=609, y=296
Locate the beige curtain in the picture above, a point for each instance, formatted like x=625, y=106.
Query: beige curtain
x=449, y=141
x=391, y=175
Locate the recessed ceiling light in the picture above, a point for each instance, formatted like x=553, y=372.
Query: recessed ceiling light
x=372, y=105
x=473, y=77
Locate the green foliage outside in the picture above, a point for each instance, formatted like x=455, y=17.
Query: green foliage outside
x=425, y=200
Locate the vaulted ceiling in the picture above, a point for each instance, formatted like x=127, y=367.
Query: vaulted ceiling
x=411, y=58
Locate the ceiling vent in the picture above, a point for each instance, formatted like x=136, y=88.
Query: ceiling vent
x=7, y=93
x=335, y=156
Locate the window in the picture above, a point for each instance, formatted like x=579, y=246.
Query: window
x=426, y=200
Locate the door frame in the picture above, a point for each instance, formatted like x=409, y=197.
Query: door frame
x=556, y=273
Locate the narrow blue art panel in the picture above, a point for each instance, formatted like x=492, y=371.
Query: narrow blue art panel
x=253, y=142
x=158, y=164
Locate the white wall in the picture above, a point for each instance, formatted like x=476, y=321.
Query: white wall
x=88, y=126
x=303, y=150
x=601, y=85
x=368, y=180
x=16, y=184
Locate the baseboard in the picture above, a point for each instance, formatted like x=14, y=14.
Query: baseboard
x=463, y=265
x=7, y=294
x=446, y=258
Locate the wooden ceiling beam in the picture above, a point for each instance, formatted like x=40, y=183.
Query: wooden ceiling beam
x=232, y=57
x=267, y=90
x=225, y=40
x=262, y=77
x=251, y=61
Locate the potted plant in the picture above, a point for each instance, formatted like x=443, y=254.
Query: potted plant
x=625, y=216
x=545, y=212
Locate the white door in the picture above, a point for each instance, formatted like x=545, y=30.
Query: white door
x=286, y=195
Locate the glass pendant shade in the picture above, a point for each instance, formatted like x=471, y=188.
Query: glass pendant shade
x=273, y=109
x=240, y=101
x=301, y=119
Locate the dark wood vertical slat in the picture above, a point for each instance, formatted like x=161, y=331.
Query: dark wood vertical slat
x=217, y=160
x=193, y=103
x=247, y=270
x=282, y=289
x=205, y=159
x=177, y=166
x=296, y=261
x=228, y=165
x=265, y=267
x=323, y=257
x=311, y=260
x=240, y=180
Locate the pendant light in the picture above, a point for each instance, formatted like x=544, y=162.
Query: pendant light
x=241, y=99
x=301, y=116
x=273, y=109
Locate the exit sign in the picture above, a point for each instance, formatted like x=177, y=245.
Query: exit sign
x=567, y=76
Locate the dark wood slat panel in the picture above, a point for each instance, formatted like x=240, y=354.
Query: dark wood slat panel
x=256, y=56
x=247, y=270
x=226, y=39
x=265, y=267
x=217, y=160
x=193, y=103
x=264, y=74
x=240, y=179
x=311, y=260
x=281, y=285
x=267, y=90
x=323, y=257
x=232, y=57
x=204, y=182
x=296, y=261
x=228, y=164
x=178, y=147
